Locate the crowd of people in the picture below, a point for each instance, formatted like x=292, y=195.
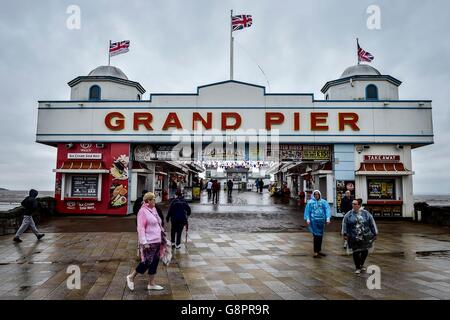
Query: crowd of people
x=358, y=229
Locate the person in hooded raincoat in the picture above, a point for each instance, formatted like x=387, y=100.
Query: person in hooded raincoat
x=360, y=230
x=317, y=215
x=31, y=205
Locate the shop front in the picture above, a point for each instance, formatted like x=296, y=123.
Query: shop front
x=384, y=181
x=92, y=178
x=113, y=146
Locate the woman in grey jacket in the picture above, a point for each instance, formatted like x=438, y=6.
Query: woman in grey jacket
x=360, y=231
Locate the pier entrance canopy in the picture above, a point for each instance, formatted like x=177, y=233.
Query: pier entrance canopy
x=109, y=150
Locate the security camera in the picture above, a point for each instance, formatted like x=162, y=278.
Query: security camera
x=399, y=146
x=100, y=145
x=69, y=145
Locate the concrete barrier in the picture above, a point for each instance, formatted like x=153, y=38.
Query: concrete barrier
x=437, y=215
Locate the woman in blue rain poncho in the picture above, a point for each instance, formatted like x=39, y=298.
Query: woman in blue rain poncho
x=317, y=214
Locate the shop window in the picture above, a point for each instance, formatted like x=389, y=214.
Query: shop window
x=371, y=92
x=381, y=189
x=84, y=186
x=95, y=93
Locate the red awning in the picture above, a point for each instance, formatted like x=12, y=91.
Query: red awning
x=82, y=165
x=387, y=168
x=88, y=166
x=139, y=165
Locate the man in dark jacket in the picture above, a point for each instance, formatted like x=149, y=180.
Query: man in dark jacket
x=229, y=187
x=138, y=204
x=30, y=204
x=346, y=206
x=215, y=191
x=179, y=211
x=346, y=203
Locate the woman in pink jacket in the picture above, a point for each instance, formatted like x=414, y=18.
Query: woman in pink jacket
x=151, y=241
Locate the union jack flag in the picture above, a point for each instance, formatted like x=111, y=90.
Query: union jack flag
x=116, y=48
x=241, y=21
x=364, y=55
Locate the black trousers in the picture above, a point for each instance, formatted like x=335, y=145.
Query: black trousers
x=318, y=244
x=209, y=193
x=215, y=196
x=175, y=232
x=359, y=257
x=151, y=267
x=229, y=192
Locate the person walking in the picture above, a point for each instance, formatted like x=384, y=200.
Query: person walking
x=209, y=188
x=346, y=206
x=230, y=187
x=215, y=191
x=152, y=241
x=261, y=185
x=173, y=188
x=138, y=204
x=346, y=203
x=317, y=214
x=30, y=204
x=178, y=214
x=360, y=231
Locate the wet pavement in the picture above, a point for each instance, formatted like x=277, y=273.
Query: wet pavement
x=250, y=248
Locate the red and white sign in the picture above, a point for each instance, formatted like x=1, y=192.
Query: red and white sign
x=87, y=156
x=381, y=158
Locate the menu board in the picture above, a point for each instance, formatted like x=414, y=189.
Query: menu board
x=316, y=153
x=384, y=210
x=381, y=189
x=291, y=152
x=85, y=186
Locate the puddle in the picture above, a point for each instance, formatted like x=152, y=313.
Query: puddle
x=442, y=254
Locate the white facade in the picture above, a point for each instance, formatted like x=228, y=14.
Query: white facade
x=112, y=82
x=347, y=120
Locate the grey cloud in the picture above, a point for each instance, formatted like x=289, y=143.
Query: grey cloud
x=179, y=45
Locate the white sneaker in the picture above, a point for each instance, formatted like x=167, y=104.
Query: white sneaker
x=358, y=271
x=363, y=269
x=130, y=283
x=178, y=246
x=155, y=287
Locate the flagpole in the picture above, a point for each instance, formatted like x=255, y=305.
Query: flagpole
x=231, y=45
x=109, y=54
x=357, y=49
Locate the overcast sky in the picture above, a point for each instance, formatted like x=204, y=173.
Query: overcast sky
x=177, y=45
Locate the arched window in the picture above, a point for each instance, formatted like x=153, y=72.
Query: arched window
x=95, y=93
x=371, y=92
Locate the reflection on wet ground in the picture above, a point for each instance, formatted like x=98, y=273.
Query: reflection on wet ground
x=233, y=251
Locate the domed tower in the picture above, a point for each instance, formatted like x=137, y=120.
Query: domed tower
x=105, y=83
x=362, y=82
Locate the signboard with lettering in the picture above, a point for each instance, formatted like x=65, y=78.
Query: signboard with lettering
x=382, y=158
x=84, y=186
x=88, y=156
x=316, y=153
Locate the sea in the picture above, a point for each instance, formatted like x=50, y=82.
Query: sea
x=10, y=199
